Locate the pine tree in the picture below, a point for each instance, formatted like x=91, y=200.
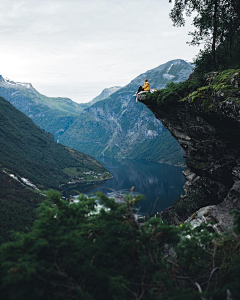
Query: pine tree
x=86, y=251
x=215, y=22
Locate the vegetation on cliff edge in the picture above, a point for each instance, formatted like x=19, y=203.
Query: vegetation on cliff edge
x=225, y=83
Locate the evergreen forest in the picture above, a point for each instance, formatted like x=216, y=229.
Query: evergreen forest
x=99, y=250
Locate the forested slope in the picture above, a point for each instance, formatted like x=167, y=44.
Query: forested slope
x=31, y=152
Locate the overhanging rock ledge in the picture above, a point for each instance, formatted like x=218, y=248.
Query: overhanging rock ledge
x=206, y=124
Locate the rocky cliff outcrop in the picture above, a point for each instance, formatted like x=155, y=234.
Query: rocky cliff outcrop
x=206, y=124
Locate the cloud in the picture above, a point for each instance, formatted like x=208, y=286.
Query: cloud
x=78, y=42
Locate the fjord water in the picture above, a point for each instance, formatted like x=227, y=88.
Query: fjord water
x=156, y=181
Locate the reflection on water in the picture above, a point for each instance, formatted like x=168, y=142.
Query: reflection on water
x=155, y=181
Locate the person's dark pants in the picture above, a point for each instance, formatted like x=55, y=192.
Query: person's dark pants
x=140, y=89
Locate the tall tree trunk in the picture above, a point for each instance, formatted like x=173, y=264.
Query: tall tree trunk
x=214, y=34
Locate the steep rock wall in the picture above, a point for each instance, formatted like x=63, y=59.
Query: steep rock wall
x=206, y=124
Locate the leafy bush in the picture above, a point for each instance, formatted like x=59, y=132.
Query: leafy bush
x=78, y=251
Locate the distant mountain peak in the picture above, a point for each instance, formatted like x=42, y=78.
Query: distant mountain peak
x=54, y=114
x=176, y=70
x=105, y=94
x=112, y=88
x=13, y=83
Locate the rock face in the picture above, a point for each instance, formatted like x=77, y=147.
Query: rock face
x=118, y=127
x=206, y=124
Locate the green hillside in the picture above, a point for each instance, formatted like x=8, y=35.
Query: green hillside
x=30, y=160
x=17, y=206
x=30, y=152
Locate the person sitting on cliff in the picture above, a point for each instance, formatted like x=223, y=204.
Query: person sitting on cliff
x=144, y=88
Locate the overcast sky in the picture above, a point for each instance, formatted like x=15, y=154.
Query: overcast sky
x=76, y=48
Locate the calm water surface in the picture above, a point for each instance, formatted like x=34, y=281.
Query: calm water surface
x=160, y=182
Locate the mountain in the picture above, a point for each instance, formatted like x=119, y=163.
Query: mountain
x=32, y=157
x=104, y=94
x=52, y=114
x=118, y=127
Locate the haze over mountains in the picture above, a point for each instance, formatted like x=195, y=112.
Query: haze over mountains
x=112, y=124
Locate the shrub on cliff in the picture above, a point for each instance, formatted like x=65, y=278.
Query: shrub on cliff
x=174, y=92
x=75, y=252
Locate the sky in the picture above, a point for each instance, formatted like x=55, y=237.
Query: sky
x=76, y=48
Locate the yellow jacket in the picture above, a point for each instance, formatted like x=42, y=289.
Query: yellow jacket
x=146, y=86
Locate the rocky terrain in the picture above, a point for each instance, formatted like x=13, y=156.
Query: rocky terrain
x=206, y=123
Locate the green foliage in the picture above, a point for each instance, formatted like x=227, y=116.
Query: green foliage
x=174, y=92
x=204, y=91
x=220, y=85
x=15, y=216
x=17, y=206
x=208, y=259
x=217, y=25
x=204, y=64
x=236, y=220
x=81, y=251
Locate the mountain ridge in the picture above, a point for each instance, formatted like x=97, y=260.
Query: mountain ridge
x=118, y=127
x=123, y=129
x=104, y=94
x=54, y=114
